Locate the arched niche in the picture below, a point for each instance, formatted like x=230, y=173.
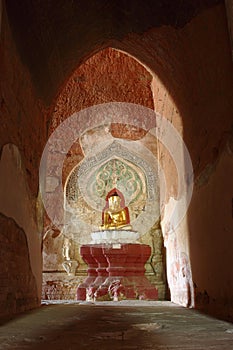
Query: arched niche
x=71, y=100
x=115, y=166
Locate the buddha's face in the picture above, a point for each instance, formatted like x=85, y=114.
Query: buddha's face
x=114, y=202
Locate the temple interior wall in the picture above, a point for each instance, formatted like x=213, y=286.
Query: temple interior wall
x=22, y=134
x=190, y=84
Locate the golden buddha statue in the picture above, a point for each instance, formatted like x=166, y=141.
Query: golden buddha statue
x=115, y=216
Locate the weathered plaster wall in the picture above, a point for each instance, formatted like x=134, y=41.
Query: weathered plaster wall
x=210, y=228
x=178, y=262
x=206, y=115
x=20, y=237
x=18, y=285
x=23, y=116
x=22, y=135
x=18, y=203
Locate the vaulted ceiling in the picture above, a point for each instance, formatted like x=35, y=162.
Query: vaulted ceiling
x=54, y=36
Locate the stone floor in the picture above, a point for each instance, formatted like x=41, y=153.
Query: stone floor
x=115, y=325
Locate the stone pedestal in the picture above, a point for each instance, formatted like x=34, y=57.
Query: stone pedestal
x=120, y=272
x=102, y=273
x=86, y=254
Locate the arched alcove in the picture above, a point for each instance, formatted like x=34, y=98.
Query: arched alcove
x=112, y=75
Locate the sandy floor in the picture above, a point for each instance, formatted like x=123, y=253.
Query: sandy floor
x=115, y=325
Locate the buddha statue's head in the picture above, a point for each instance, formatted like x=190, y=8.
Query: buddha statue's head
x=114, y=201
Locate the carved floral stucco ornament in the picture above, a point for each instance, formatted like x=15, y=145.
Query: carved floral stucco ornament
x=115, y=166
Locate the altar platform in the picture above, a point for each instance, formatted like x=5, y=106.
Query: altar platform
x=116, y=271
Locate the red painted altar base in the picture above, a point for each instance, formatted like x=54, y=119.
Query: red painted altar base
x=91, y=272
x=116, y=272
